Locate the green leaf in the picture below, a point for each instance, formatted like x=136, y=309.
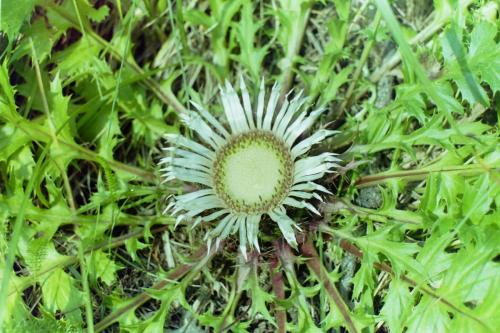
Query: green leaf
x=41, y=36
x=433, y=256
x=14, y=306
x=148, y=123
x=133, y=245
x=59, y=292
x=250, y=56
x=40, y=254
x=488, y=311
x=472, y=273
x=66, y=16
x=197, y=17
x=485, y=53
x=412, y=61
x=21, y=165
x=399, y=253
x=259, y=297
x=14, y=14
x=364, y=277
x=429, y=316
x=397, y=305
x=342, y=7
x=467, y=82
x=329, y=92
x=7, y=103
x=478, y=197
x=445, y=91
x=101, y=267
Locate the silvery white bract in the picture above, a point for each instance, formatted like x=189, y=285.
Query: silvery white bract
x=253, y=168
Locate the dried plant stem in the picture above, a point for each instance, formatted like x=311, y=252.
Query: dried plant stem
x=198, y=260
x=308, y=250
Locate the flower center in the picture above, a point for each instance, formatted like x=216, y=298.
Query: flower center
x=253, y=172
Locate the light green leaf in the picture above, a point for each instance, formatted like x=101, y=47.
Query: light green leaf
x=21, y=165
x=485, y=53
x=7, y=103
x=478, y=197
x=397, y=305
x=14, y=14
x=429, y=316
x=399, y=253
x=433, y=256
x=364, y=277
x=259, y=297
x=59, y=292
x=101, y=267
x=41, y=36
x=472, y=273
x=250, y=56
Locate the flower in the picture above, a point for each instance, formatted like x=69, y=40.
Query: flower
x=251, y=169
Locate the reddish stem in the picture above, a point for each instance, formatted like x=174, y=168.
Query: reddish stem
x=278, y=288
x=314, y=264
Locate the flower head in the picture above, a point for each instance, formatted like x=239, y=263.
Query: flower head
x=251, y=169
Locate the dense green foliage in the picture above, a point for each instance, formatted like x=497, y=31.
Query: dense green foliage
x=409, y=241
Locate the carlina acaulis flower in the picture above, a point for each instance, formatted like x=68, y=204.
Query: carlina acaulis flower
x=255, y=167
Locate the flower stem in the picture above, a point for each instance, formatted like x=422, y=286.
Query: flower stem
x=418, y=174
